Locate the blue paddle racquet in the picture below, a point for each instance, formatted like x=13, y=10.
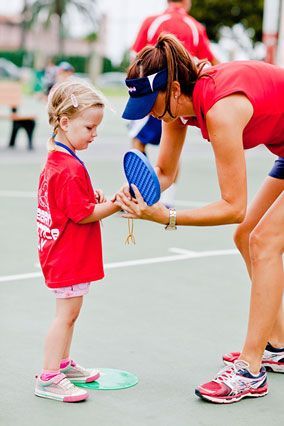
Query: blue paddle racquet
x=139, y=171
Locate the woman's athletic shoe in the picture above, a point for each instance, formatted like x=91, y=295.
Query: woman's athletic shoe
x=59, y=388
x=272, y=360
x=233, y=384
x=77, y=374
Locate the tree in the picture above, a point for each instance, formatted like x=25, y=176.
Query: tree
x=61, y=9
x=24, y=25
x=216, y=13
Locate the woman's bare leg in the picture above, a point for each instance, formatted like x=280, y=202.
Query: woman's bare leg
x=137, y=144
x=268, y=193
x=266, y=250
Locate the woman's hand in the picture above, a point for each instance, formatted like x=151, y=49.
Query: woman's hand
x=138, y=209
x=124, y=190
x=100, y=197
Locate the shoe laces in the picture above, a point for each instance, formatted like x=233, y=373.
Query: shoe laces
x=228, y=373
x=224, y=374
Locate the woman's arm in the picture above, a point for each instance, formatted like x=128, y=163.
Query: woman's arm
x=225, y=121
x=101, y=211
x=172, y=140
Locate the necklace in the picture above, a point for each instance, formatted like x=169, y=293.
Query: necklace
x=62, y=145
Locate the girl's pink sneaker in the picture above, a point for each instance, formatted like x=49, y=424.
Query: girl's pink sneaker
x=60, y=389
x=78, y=374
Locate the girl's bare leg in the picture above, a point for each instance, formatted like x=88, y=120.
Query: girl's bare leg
x=59, y=336
x=66, y=353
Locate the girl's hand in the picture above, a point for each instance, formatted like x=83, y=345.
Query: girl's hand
x=124, y=191
x=100, y=197
x=138, y=209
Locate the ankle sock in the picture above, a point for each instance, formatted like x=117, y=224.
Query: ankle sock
x=48, y=374
x=271, y=348
x=64, y=362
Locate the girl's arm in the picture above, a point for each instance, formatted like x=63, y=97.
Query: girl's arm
x=101, y=211
x=172, y=140
x=225, y=121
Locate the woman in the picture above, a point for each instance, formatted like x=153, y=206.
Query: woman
x=237, y=106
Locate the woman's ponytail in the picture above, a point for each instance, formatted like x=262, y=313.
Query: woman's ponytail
x=168, y=53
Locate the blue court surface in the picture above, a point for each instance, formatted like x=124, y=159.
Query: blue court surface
x=166, y=311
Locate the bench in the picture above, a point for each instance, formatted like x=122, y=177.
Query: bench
x=10, y=96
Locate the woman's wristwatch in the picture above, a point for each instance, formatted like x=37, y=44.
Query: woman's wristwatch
x=171, y=226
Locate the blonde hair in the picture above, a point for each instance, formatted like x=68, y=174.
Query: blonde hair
x=69, y=98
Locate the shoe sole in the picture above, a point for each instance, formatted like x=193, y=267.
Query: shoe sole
x=274, y=367
x=84, y=380
x=232, y=399
x=62, y=398
x=269, y=366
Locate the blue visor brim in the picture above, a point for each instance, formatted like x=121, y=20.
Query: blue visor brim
x=137, y=108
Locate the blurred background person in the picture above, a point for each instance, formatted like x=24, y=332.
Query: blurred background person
x=49, y=77
x=55, y=74
x=64, y=71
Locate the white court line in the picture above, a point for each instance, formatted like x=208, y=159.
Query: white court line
x=181, y=255
x=30, y=194
x=18, y=194
x=27, y=194
x=181, y=251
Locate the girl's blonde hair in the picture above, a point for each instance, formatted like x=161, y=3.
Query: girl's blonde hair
x=70, y=98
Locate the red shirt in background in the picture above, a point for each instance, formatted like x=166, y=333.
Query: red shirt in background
x=69, y=253
x=175, y=20
x=262, y=84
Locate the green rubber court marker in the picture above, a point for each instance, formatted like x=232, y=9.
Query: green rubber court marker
x=111, y=379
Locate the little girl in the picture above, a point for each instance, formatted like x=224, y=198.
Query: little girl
x=69, y=233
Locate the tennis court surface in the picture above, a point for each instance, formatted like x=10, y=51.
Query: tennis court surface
x=166, y=311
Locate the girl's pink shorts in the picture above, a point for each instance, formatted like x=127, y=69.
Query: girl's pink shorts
x=71, y=291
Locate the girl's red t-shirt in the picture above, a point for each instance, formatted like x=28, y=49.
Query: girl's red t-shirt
x=69, y=253
x=262, y=84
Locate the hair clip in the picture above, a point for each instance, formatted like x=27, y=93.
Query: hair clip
x=53, y=135
x=74, y=101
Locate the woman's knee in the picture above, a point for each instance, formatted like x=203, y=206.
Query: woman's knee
x=242, y=236
x=264, y=243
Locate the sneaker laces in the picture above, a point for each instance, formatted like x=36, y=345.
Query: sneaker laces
x=224, y=374
x=229, y=372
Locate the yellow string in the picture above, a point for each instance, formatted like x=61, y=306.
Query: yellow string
x=130, y=237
